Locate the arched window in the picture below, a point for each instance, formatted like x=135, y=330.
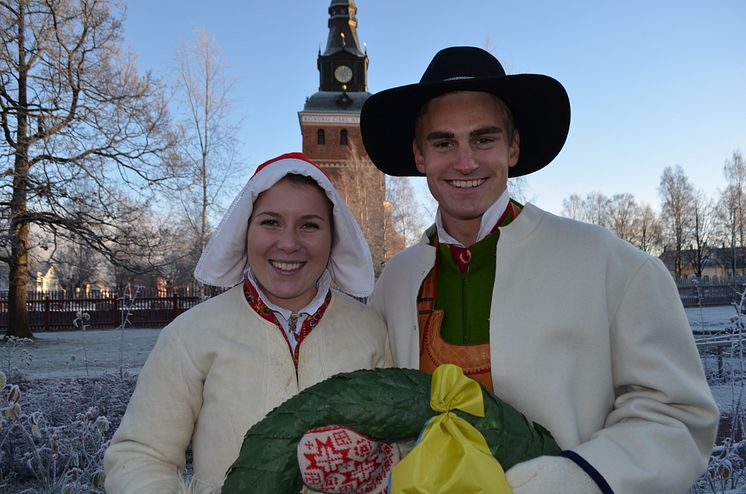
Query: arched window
x=320, y=137
x=343, y=137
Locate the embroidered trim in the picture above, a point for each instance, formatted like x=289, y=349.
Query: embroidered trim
x=309, y=323
x=475, y=359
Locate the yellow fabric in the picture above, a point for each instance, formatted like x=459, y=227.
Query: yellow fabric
x=451, y=456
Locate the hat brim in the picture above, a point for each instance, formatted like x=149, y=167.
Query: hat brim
x=539, y=104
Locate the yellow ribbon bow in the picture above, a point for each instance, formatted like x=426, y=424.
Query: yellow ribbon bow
x=451, y=456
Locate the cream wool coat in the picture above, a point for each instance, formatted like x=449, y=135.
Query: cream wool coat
x=588, y=338
x=214, y=372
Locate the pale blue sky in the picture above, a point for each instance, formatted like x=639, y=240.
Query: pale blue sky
x=651, y=83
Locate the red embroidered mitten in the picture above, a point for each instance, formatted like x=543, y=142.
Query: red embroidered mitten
x=338, y=459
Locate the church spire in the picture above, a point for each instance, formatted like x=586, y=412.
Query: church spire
x=343, y=66
x=343, y=29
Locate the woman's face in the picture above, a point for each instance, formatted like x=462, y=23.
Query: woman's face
x=289, y=241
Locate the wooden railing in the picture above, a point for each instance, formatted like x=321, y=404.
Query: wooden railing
x=59, y=311
x=151, y=308
x=709, y=292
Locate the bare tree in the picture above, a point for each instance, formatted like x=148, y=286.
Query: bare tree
x=729, y=217
x=362, y=186
x=647, y=228
x=77, y=264
x=207, y=142
x=572, y=207
x=701, y=231
x=596, y=207
x=623, y=211
x=677, y=197
x=734, y=171
x=177, y=268
x=82, y=131
x=393, y=242
x=408, y=221
x=519, y=189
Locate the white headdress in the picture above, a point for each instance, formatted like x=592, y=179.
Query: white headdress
x=224, y=260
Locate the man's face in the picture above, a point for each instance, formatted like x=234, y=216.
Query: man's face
x=462, y=146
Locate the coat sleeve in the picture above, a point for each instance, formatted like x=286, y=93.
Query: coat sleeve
x=659, y=435
x=147, y=452
x=377, y=299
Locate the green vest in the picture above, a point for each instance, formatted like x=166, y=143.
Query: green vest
x=466, y=298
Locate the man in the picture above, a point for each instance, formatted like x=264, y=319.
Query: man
x=580, y=331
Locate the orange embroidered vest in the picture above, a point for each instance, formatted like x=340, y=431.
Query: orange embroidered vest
x=474, y=359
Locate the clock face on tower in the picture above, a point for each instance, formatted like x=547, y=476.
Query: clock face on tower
x=343, y=74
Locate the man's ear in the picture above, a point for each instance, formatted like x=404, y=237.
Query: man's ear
x=419, y=160
x=514, y=152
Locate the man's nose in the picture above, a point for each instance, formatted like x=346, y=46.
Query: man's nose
x=465, y=162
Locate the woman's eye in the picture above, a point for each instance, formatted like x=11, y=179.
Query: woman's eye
x=269, y=222
x=310, y=226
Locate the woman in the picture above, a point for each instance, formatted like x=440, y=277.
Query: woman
x=216, y=370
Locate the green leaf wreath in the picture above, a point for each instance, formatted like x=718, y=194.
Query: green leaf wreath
x=384, y=404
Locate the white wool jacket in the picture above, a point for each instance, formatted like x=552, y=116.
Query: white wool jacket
x=588, y=337
x=214, y=372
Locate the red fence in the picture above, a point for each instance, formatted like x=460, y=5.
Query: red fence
x=154, y=308
x=59, y=311
x=709, y=293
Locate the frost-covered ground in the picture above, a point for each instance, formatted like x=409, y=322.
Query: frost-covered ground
x=74, y=386
x=715, y=319
x=91, y=352
x=88, y=353
x=64, y=397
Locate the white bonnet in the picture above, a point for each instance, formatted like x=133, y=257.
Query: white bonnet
x=224, y=260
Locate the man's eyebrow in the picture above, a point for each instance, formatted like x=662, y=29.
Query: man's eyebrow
x=439, y=134
x=485, y=130
x=443, y=134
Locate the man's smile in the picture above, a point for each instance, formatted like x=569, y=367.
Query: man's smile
x=467, y=184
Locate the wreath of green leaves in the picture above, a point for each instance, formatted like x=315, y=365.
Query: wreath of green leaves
x=384, y=404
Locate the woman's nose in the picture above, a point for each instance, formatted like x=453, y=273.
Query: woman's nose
x=288, y=240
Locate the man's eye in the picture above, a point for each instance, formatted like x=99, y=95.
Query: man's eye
x=442, y=144
x=485, y=141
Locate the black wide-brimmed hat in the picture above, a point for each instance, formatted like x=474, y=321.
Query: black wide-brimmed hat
x=539, y=104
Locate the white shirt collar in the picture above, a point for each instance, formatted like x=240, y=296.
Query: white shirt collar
x=489, y=220
x=283, y=315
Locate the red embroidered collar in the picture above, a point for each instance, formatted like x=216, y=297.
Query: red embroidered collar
x=462, y=255
x=309, y=323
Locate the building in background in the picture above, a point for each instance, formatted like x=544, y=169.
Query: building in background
x=330, y=126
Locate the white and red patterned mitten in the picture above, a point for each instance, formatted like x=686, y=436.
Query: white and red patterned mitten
x=338, y=459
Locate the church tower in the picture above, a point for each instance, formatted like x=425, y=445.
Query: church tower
x=330, y=125
x=330, y=120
